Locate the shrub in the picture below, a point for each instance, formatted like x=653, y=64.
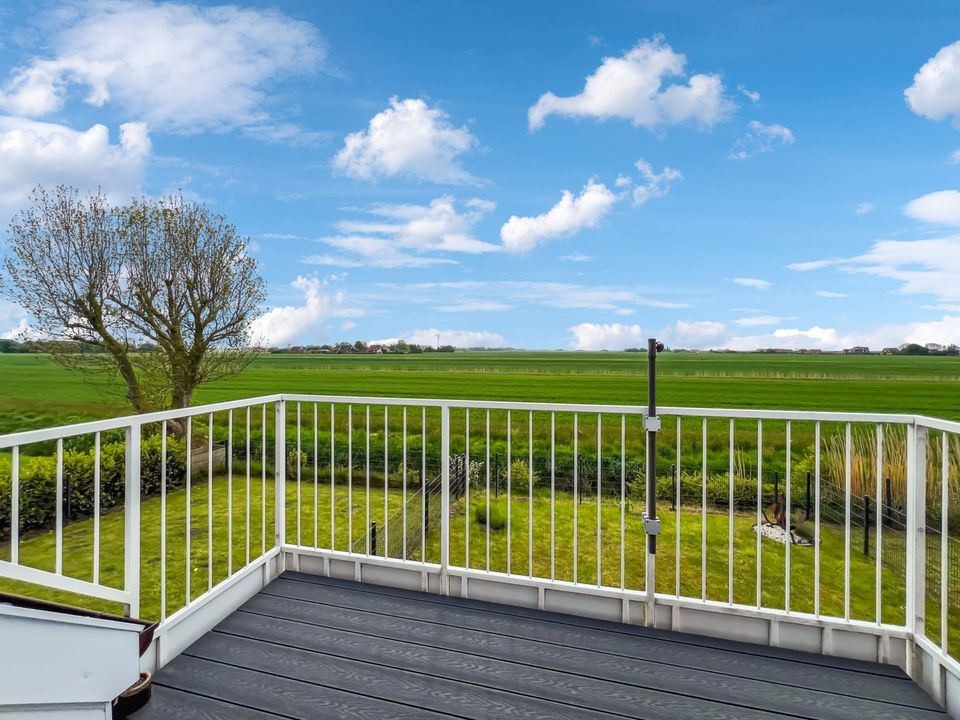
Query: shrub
x=520, y=476
x=498, y=515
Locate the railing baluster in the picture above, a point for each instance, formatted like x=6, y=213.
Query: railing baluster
x=131, y=519
x=280, y=477
x=553, y=501
x=333, y=478
x=623, y=500
x=96, y=508
x=730, y=522
x=404, y=474
x=386, y=484
x=230, y=492
x=444, y=499
x=163, y=521
x=488, y=492
x=15, y=513
x=188, y=472
x=316, y=477
x=816, y=521
x=787, y=498
x=467, y=518
x=703, y=516
x=349, y=478
x=210, y=501
x=509, y=501
x=677, y=480
x=366, y=461
x=847, y=473
x=944, y=537
x=576, y=491
x=759, y=512
x=878, y=602
x=530, y=495
x=423, y=484
x=59, y=539
x=599, y=496
x=263, y=479
x=299, y=474
x=246, y=515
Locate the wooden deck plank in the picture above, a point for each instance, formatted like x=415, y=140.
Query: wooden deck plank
x=698, y=641
x=171, y=704
x=412, y=689
x=607, y=639
x=284, y=696
x=533, y=664
x=580, y=691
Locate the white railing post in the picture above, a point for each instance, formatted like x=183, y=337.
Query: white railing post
x=444, y=498
x=131, y=518
x=916, y=542
x=280, y=478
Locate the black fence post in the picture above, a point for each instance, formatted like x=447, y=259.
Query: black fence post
x=866, y=526
x=673, y=497
x=888, y=504
x=373, y=537
x=806, y=500
x=426, y=510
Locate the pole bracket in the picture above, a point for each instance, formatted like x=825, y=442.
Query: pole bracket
x=651, y=423
x=651, y=526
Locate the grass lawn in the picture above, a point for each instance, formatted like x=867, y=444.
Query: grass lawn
x=38, y=550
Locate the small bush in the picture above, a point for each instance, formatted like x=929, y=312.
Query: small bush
x=498, y=515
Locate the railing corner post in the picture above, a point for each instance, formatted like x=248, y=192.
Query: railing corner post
x=444, y=498
x=280, y=478
x=916, y=550
x=131, y=518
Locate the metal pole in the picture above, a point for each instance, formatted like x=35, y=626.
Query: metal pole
x=650, y=521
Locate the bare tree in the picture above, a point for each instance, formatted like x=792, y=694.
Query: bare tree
x=165, y=289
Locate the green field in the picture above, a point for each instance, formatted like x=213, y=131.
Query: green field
x=35, y=392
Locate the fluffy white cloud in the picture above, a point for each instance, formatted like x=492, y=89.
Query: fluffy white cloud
x=632, y=87
x=652, y=184
x=864, y=208
x=790, y=339
x=409, y=139
x=402, y=235
x=570, y=215
x=600, y=336
x=694, y=334
x=935, y=93
x=179, y=67
x=282, y=325
x=755, y=283
x=760, y=139
x=13, y=320
x=33, y=153
x=457, y=338
x=941, y=207
x=753, y=95
x=831, y=294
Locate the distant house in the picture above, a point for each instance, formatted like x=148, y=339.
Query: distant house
x=378, y=349
x=890, y=351
x=857, y=350
x=345, y=348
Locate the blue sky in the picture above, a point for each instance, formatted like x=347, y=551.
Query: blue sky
x=539, y=175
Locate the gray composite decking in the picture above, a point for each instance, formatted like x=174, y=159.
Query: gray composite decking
x=309, y=647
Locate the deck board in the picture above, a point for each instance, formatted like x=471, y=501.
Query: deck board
x=308, y=647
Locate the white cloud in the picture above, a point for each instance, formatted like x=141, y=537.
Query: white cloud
x=576, y=257
x=755, y=283
x=653, y=185
x=13, y=320
x=864, y=208
x=831, y=294
x=751, y=94
x=941, y=207
x=935, y=93
x=282, y=325
x=930, y=267
x=474, y=306
x=613, y=336
x=457, y=338
x=408, y=139
x=402, y=235
x=632, y=87
x=570, y=215
x=759, y=320
x=179, y=67
x=347, y=325
x=954, y=157
x=791, y=339
x=38, y=153
x=760, y=139
x=694, y=334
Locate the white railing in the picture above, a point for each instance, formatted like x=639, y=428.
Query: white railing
x=532, y=503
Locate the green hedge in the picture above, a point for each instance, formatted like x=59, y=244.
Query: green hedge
x=38, y=482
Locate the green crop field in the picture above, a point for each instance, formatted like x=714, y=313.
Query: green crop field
x=35, y=392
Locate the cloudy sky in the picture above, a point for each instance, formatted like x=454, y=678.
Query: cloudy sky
x=538, y=174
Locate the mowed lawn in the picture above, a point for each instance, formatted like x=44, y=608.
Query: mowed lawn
x=38, y=393
x=350, y=508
